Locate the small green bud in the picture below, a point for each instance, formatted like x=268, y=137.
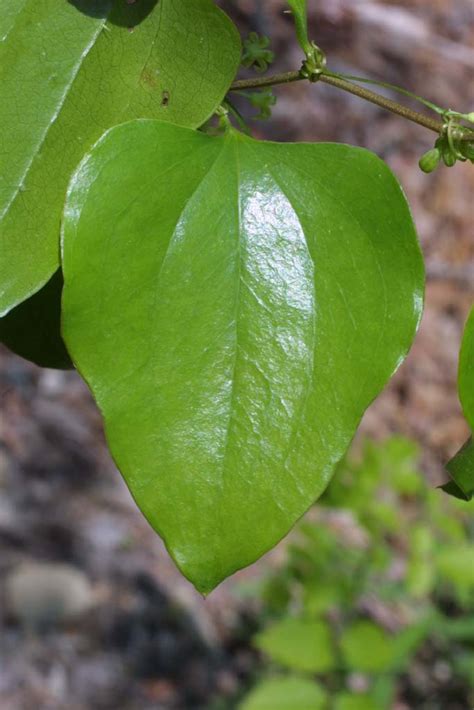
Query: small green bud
x=430, y=160
x=467, y=149
x=449, y=158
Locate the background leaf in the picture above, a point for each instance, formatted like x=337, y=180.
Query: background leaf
x=466, y=371
x=65, y=77
x=33, y=329
x=461, y=467
x=457, y=566
x=350, y=701
x=367, y=648
x=234, y=306
x=299, y=9
x=290, y=693
x=300, y=644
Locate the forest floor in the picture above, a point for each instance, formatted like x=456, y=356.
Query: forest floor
x=139, y=636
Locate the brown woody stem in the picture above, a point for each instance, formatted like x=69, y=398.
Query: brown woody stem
x=421, y=119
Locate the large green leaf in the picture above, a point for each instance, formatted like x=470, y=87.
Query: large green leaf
x=461, y=467
x=66, y=75
x=234, y=306
x=32, y=329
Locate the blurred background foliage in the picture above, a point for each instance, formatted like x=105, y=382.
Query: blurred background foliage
x=368, y=604
x=376, y=597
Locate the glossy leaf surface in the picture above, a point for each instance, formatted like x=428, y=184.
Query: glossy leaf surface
x=234, y=306
x=461, y=467
x=68, y=71
x=33, y=329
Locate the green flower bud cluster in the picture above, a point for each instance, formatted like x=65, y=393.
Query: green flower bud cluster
x=264, y=100
x=448, y=149
x=314, y=64
x=256, y=53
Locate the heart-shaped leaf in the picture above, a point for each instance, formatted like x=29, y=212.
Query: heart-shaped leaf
x=33, y=329
x=70, y=69
x=461, y=467
x=234, y=306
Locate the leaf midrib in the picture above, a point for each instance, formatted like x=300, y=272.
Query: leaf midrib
x=236, y=317
x=302, y=409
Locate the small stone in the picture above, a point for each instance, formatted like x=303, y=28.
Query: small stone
x=44, y=594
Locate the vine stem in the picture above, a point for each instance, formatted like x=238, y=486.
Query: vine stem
x=362, y=92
